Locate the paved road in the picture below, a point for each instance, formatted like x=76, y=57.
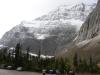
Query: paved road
x=13, y=72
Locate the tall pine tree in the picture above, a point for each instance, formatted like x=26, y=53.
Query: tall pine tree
x=18, y=55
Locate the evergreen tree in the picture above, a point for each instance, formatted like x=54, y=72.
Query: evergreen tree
x=75, y=61
x=27, y=60
x=18, y=55
x=27, y=54
x=92, y=65
x=39, y=54
x=85, y=66
x=62, y=65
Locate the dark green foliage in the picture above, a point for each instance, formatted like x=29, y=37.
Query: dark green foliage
x=17, y=58
x=18, y=55
x=75, y=61
x=63, y=65
x=83, y=65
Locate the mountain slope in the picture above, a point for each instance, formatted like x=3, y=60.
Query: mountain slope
x=87, y=42
x=56, y=29
x=84, y=49
x=91, y=27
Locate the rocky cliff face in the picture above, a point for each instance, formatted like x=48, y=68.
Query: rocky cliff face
x=88, y=39
x=91, y=27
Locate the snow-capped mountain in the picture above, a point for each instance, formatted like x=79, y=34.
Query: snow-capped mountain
x=58, y=26
x=70, y=14
x=78, y=11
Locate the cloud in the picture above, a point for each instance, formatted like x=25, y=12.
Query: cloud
x=41, y=36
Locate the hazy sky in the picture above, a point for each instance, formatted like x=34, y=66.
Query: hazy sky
x=12, y=12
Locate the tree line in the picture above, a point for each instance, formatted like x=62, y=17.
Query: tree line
x=20, y=58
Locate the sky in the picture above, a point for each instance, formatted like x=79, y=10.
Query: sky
x=12, y=12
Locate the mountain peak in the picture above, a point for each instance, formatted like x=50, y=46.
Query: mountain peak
x=75, y=11
x=58, y=26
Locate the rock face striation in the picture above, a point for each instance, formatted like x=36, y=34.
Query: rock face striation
x=87, y=42
x=91, y=27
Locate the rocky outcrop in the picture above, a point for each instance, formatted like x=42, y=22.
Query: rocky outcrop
x=87, y=42
x=91, y=27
